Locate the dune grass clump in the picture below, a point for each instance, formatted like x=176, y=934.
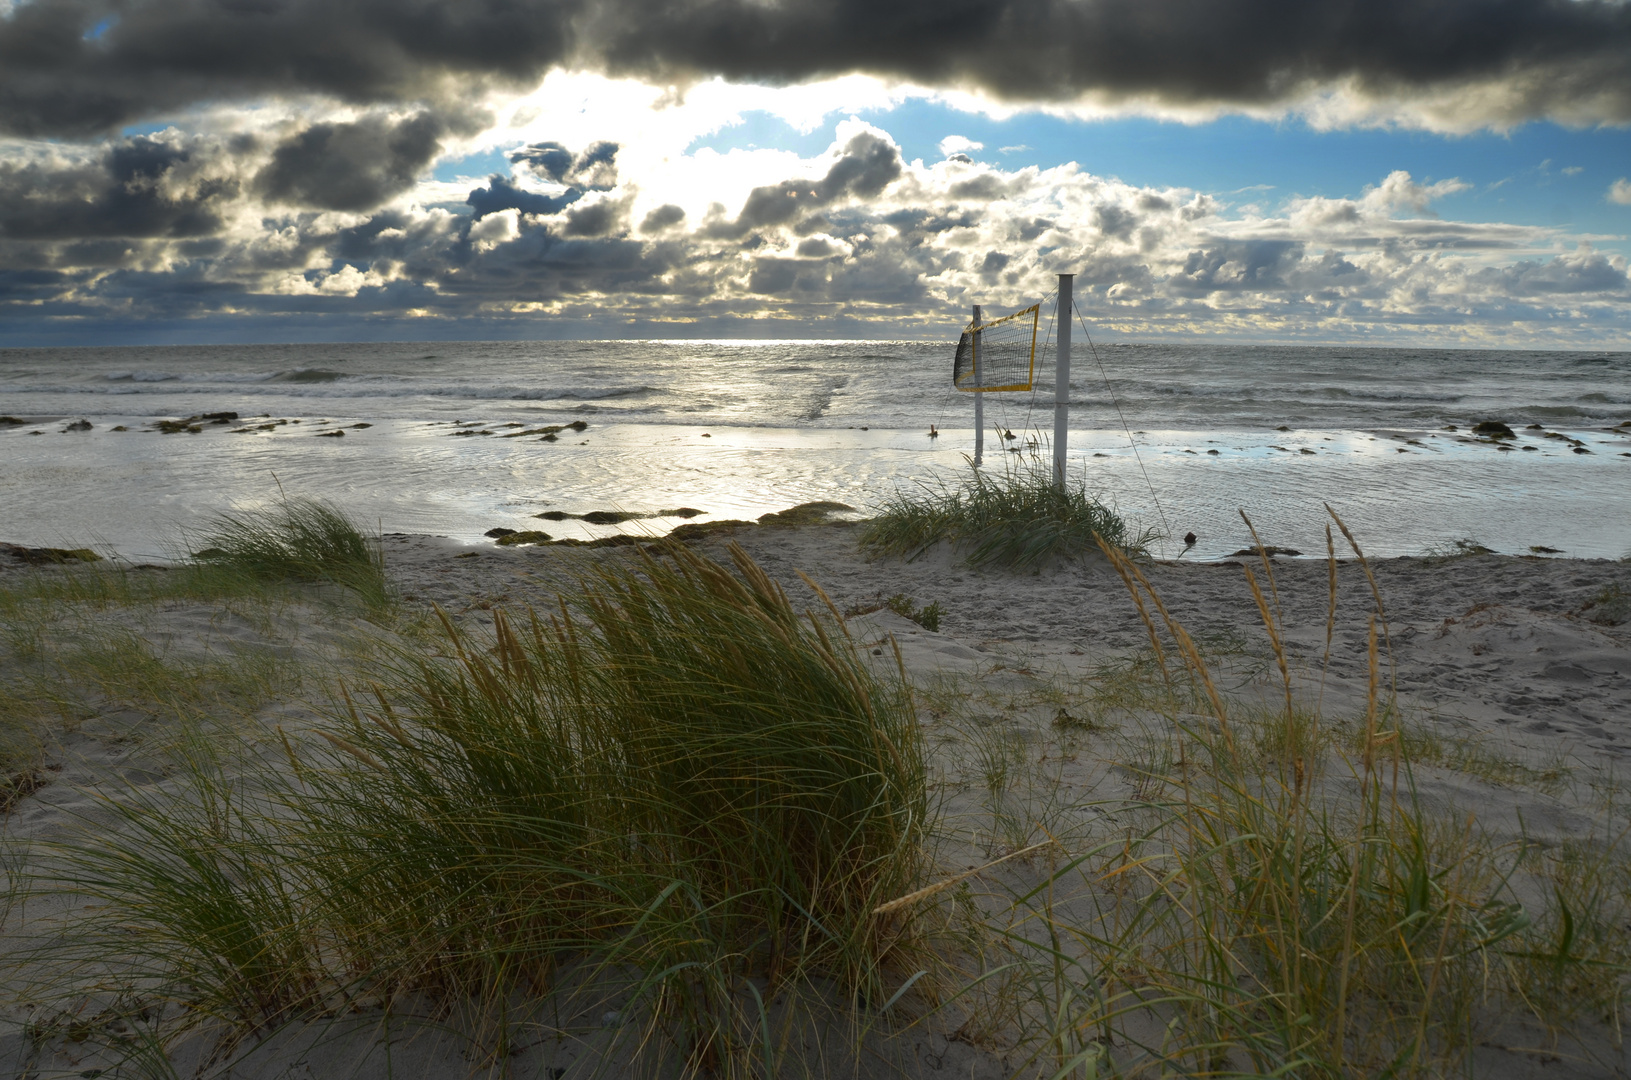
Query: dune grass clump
x=298, y=540
x=1019, y=517
x=1279, y=902
x=677, y=784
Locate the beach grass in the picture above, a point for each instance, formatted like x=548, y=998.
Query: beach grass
x=1278, y=901
x=677, y=782
x=296, y=540
x=680, y=801
x=1018, y=517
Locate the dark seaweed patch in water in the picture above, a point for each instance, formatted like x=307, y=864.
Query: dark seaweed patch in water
x=308, y=375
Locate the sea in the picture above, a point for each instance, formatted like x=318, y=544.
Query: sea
x=1178, y=438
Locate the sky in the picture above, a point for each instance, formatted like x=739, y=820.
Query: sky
x=1449, y=173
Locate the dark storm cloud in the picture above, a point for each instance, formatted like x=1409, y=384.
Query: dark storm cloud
x=168, y=54
x=1564, y=57
x=867, y=165
x=595, y=219
x=1254, y=265
x=1588, y=272
x=1552, y=53
x=501, y=194
x=665, y=216
x=351, y=166
x=130, y=190
x=594, y=169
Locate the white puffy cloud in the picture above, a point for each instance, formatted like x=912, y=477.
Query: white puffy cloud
x=1620, y=192
x=620, y=230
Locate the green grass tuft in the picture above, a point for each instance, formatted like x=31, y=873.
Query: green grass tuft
x=677, y=781
x=1018, y=517
x=301, y=540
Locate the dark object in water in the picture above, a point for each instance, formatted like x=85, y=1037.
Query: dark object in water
x=1542, y=549
x=1580, y=450
x=614, y=540
x=9, y=420
x=194, y=424
x=553, y=515
x=1189, y=539
x=335, y=434
x=78, y=425
x=530, y=536
x=1282, y=427
x=609, y=517
x=698, y=530
x=810, y=513
x=49, y=556
x=1269, y=550
x=498, y=532
x=1494, y=429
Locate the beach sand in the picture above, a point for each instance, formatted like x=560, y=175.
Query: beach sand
x=1514, y=673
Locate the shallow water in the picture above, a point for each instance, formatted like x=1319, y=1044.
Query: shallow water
x=785, y=423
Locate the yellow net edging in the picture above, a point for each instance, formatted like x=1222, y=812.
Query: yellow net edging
x=999, y=354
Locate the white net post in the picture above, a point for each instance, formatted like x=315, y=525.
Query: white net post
x=979, y=399
x=1061, y=381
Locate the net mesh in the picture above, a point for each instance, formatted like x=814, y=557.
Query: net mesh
x=999, y=354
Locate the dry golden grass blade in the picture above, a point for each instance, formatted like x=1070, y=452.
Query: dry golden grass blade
x=1375, y=591
x=1274, y=638
x=1268, y=565
x=952, y=882
x=1116, y=560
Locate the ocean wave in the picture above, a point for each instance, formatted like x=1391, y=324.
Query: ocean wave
x=141, y=376
x=351, y=387
x=1562, y=412
x=308, y=375
x=232, y=377
x=1390, y=398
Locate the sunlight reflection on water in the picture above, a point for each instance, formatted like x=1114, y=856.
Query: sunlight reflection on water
x=137, y=491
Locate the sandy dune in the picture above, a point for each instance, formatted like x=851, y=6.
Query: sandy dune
x=1516, y=671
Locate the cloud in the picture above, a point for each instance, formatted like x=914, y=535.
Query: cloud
x=1620, y=192
x=351, y=166
x=163, y=186
x=502, y=194
x=663, y=217
x=594, y=168
x=190, y=228
x=867, y=162
x=958, y=145
x=1441, y=62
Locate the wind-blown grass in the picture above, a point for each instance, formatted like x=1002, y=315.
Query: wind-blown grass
x=1280, y=902
x=1019, y=517
x=298, y=540
x=676, y=780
